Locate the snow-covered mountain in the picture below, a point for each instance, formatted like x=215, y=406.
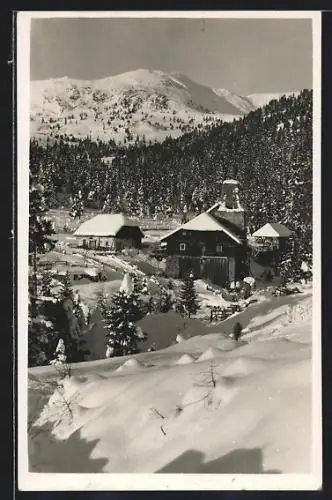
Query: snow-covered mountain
x=260, y=100
x=139, y=103
x=243, y=104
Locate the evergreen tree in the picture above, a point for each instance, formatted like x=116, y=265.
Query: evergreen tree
x=77, y=208
x=140, y=285
x=40, y=323
x=60, y=353
x=170, y=285
x=66, y=290
x=82, y=323
x=103, y=305
x=286, y=270
x=165, y=302
x=70, y=321
x=41, y=340
x=40, y=230
x=45, y=287
x=120, y=318
x=188, y=301
x=137, y=284
x=42, y=330
x=291, y=264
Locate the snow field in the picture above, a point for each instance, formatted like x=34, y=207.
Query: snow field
x=122, y=413
x=193, y=407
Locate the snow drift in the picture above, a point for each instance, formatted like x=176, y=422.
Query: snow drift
x=242, y=410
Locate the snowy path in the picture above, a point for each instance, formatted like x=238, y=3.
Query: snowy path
x=114, y=262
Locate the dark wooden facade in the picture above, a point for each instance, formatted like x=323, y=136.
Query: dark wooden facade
x=210, y=255
x=200, y=243
x=212, y=245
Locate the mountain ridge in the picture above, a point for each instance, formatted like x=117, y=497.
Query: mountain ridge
x=141, y=103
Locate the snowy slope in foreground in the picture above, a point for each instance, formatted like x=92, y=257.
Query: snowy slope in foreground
x=162, y=414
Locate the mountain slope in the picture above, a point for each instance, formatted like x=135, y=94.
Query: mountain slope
x=261, y=99
x=146, y=103
x=244, y=104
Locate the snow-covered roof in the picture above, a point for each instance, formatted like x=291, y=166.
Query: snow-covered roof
x=272, y=230
x=230, y=181
x=203, y=222
x=104, y=225
x=221, y=207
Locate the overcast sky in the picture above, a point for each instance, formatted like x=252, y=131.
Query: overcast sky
x=241, y=55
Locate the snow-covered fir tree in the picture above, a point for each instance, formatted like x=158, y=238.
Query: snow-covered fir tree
x=77, y=207
x=66, y=289
x=120, y=316
x=41, y=339
x=188, y=299
x=103, y=304
x=291, y=267
x=140, y=284
x=60, y=354
x=79, y=311
x=40, y=229
x=40, y=322
x=46, y=282
x=165, y=302
x=70, y=321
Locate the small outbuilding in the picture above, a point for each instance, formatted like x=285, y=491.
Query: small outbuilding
x=276, y=235
x=109, y=232
x=271, y=242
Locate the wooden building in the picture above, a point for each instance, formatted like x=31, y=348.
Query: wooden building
x=213, y=244
x=109, y=232
x=275, y=235
x=272, y=242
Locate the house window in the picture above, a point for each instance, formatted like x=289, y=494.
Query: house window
x=219, y=248
x=182, y=247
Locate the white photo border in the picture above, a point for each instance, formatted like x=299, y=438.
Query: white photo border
x=155, y=482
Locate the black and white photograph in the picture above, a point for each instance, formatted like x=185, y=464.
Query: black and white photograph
x=168, y=204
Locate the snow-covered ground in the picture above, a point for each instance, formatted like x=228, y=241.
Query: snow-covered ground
x=204, y=405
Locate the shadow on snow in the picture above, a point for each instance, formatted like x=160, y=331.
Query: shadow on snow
x=241, y=461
